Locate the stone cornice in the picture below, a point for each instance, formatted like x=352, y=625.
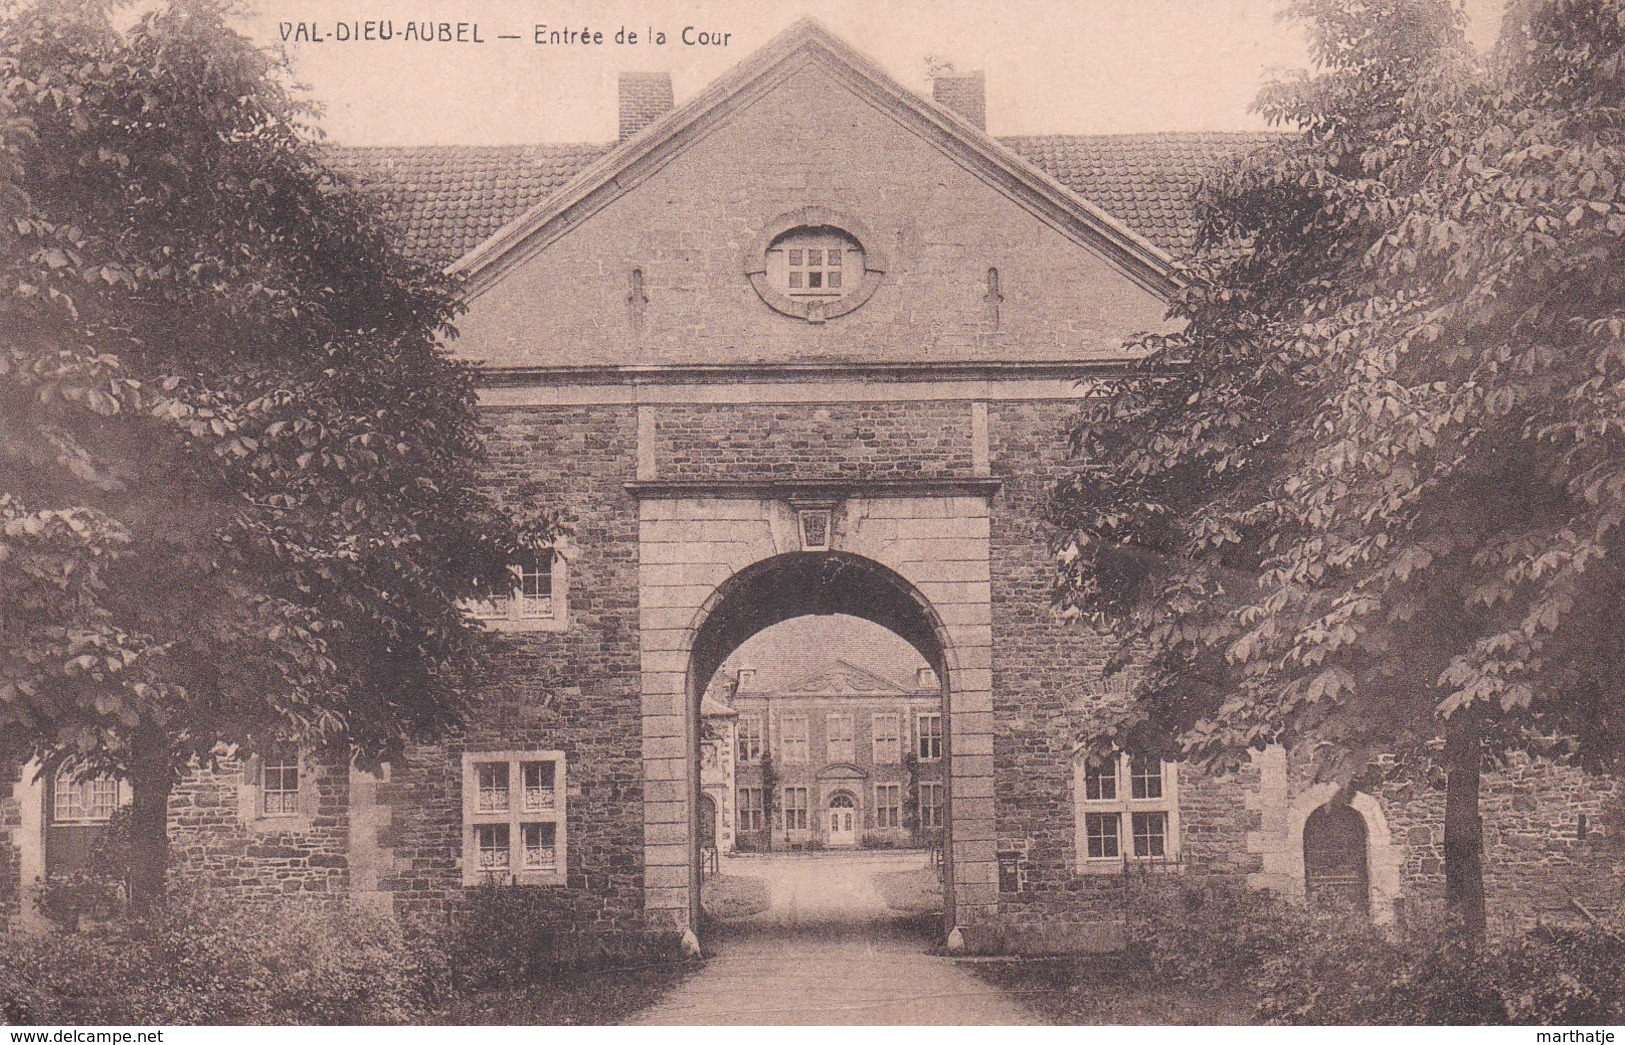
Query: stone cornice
x=781, y=489
x=785, y=373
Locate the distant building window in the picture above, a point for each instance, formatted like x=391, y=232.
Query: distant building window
x=930, y=804
x=929, y=726
x=838, y=726
x=750, y=809
x=886, y=730
x=749, y=731
x=279, y=781
x=536, y=598
x=514, y=817
x=793, y=738
x=795, y=809
x=89, y=800
x=1127, y=811
x=888, y=805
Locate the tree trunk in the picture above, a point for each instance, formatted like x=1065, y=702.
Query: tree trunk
x=152, y=778
x=1463, y=827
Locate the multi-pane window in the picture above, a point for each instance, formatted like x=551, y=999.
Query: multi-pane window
x=930, y=804
x=541, y=846
x=279, y=781
x=533, y=586
x=749, y=732
x=492, y=848
x=750, y=809
x=534, y=593
x=795, y=809
x=1145, y=777
x=815, y=270
x=513, y=809
x=838, y=736
x=888, y=805
x=1101, y=830
x=89, y=800
x=928, y=727
x=1150, y=834
x=888, y=740
x=816, y=262
x=1128, y=811
x=793, y=738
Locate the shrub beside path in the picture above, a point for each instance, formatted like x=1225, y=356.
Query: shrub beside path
x=829, y=951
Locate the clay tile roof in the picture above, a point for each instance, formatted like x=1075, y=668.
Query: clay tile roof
x=1146, y=181
x=450, y=198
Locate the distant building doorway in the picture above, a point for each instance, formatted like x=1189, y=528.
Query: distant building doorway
x=1335, y=858
x=843, y=816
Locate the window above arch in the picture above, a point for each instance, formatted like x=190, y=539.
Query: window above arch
x=814, y=264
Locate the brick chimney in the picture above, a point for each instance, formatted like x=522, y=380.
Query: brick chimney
x=644, y=98
x=965, y=94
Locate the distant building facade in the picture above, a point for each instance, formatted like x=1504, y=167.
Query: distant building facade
x=857, y=760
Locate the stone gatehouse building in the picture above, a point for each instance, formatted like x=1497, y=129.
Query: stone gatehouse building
x=806, y=344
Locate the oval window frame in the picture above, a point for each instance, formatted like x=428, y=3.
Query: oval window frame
x=814, y=310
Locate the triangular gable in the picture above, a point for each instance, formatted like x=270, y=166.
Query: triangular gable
x=643, y=154
x=842, y=677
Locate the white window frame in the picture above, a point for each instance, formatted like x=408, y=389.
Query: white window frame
x=83, y=791
x=751, y=742
x=251, y=795
x=520, y=812
x=888, y=747
x=518, y=612
x=789, y=264
x=802, y=744
x=894, y=805
x=1121, y=808
x=845, y=723
x=920, y=736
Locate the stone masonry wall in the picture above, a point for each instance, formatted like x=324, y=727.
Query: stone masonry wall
x=212, y=841
x=574, y=691
x=779, y=441
x=1534, y=859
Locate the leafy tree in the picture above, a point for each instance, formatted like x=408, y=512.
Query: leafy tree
x=238, y=495
x=1368, y=498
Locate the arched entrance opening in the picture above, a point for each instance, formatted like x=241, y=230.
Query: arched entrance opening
x=1335, y=858
x=836, y=747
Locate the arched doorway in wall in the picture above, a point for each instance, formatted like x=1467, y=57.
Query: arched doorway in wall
x=1336, y=858
x=833, y=672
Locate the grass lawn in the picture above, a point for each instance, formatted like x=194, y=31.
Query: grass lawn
x=600, y=998
x=1095, y=990
x=911, y=892
x=728, y=896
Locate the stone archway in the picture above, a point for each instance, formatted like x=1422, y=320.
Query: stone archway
x=1382, y=858
x=720, y=564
